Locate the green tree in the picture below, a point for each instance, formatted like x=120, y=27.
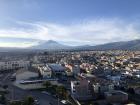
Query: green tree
x=53, y=89
x=5, y=86
x=62, y=92
x=28, y=101
x=3, y=99
x=47, y=85
x=16, y=103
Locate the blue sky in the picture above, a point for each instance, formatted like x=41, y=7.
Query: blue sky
x=24, y=23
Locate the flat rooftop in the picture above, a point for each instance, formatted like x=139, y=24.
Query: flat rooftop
x=56, y=67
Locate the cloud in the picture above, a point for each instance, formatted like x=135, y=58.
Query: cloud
x=93, y=32
x=15, y=44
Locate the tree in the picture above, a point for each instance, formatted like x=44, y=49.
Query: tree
x=5, y=86
x=131, y=91
x=53, y=89
x=47, y=85
x=28, y=101
x=62, y=91
x=3, y=99
x=16, y=103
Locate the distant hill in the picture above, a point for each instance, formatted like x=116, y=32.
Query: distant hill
x=123, y=45
x=51, y=45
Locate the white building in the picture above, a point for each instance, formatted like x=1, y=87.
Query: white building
x=10, y=65
x=45, y=71
x=96, y=87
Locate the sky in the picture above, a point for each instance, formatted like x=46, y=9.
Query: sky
x=25, y=23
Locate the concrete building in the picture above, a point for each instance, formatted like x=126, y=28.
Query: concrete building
x=10, y=65
x=101, y=88
x=80, y=90
x=45, y=71
x=76, y=70
x=36, y=65
x=116, y=96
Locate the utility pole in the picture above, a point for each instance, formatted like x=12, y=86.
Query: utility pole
x=58, y=99
x=12, y=93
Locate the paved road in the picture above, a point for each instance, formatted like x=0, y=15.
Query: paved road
x=17, y=93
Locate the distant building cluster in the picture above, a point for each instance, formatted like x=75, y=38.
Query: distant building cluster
x=109, y=76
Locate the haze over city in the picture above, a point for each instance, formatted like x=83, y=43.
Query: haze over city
x=25, y=23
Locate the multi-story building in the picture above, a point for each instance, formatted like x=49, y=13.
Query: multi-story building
x=45, y=71
x=101, y=88
x=116, y=96
x=10, y=65
x=81, y=90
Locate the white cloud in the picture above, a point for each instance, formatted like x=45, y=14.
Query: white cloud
x=21, y=45
x=87, y=32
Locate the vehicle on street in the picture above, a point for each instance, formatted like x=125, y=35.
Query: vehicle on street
x=65, y=102
x=46, y=92
x=36, y=102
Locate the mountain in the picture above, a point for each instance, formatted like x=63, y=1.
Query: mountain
x=123, y=45
x=51, y=45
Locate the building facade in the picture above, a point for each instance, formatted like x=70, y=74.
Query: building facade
x=45, y=71
x=10, y=65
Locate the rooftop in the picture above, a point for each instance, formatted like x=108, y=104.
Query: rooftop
x=56, y=67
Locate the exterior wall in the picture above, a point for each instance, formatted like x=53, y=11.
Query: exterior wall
x=117, y=96
x=69, y=73
x=96, y=88
x=76, y=70
x=102, y=88
x=80, y=90
x=7, y=65
x=137, y=91
x=36, y=65
x=48, y=74
x=45, y=71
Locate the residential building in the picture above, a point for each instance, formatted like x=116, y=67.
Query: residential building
x=45, y=71
x=81, y=90
x=10, y=65
x=116, y=96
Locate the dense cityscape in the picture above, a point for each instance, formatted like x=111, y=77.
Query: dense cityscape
x=70, y=77
x=69, y=52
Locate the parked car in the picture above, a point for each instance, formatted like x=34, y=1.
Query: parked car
x=36, y=102
x=65, y=102
x=46, y=92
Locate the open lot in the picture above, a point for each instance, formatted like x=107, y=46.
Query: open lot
x=16, y=93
